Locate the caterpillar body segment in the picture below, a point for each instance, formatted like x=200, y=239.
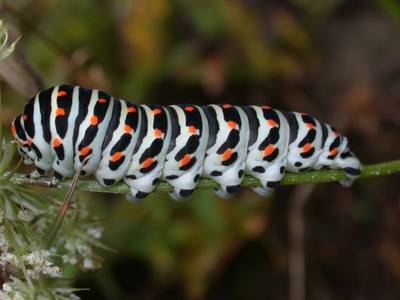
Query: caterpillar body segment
x=119, y=143
x=146, y=163
x=64, y=126
x=185, y=158
x=62, y=119
x=307, y=143
x=226, y=154
x=268, y=147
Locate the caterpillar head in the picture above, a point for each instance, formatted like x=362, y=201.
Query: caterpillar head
x=24, y=143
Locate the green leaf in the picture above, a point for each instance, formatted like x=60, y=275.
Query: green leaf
x=7, y=157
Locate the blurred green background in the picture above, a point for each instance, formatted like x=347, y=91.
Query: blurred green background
x=338, y=60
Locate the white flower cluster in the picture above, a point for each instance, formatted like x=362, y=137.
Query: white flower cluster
x=25, y=215
x=95, y=232
x=25, y=220
x=16, y=289
x=38, y=263
x=11, y=292
x=3, y=240
x=79, y=248
x=7, y=259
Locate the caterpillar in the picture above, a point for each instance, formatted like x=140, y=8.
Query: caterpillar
x=64, y=126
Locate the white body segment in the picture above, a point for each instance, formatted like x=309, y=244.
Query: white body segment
x=269, y=171
x=147, y=161
x=117, y=154
x=190, y=140
x=225, y=160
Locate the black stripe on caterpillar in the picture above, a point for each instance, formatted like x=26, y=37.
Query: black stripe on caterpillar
x=142, y=144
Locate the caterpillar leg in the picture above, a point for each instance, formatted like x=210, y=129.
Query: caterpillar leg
x=270, y=177
x=56, y=178
x=350, y=164
x=141, y=187
x=262, y=192
x=229, y=183
x=41, y=169
x=183, y=186
x=267, y=188
x=179, y=194
x=352, y=174
x=135, y=195
x=37, y=173
x=28, y=161
x=226, y=191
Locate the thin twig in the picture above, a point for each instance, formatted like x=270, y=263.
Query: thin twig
x=368, y=171
x=51, y=234
x=297, y=290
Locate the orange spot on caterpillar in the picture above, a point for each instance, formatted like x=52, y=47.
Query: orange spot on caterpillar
x=156, y=111
x=307, y=147
x=102, y=100
x=60, y=112
x=94, y=120
x=29, y=142
x=231, y=124
x=128, y=129
x=85, y=151
x=227, y=105
x=57, y=143
x=265, y=107
x=268, y=150
x=131, y=109
x=24, y=117
x=157, y=132
x=310, y=126
x=334, y=151
x=189, y=108
x=147, y=163
x=185, y=160
x=272, y=123
x=61, y=93
x=117, y=156
x=192, y=129
x=227, y=154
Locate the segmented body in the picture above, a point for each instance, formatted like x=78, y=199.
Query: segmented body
x=142, y=144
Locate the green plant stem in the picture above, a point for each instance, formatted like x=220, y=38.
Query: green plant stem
x=368, y=171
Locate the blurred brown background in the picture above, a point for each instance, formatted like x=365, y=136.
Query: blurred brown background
x=338, y=60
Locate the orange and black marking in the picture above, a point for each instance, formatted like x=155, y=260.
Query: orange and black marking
x=268, y=145
x=148, y=159
x=307, y=143
x=63, y=109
